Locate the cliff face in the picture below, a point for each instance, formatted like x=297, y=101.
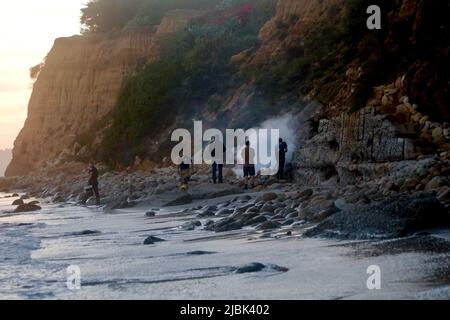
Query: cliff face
x=79, y=85
x=397, y=74
x=295, y=17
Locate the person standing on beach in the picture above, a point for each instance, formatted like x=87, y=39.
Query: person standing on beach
x=248, y=155
x=282, y=150
x=184, y=170
x=93, y=183
x=217, y=166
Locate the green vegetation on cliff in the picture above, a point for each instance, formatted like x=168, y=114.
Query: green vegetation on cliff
x=413, y=40
x=195, y=64
x=108, y=15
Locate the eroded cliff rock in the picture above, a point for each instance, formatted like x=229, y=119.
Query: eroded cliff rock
x=78, y=85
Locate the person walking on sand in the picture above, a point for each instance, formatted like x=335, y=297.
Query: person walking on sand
x=282, y=150
x=93, y=184
x=217, y=166
x=248, y=155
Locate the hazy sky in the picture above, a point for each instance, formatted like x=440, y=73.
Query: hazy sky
x=27, y=31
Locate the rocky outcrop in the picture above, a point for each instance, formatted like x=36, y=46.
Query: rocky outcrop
x=389, y=137
x=390, y=218
x=77, y=86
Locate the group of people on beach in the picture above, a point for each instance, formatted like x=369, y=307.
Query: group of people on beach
x=248, y=155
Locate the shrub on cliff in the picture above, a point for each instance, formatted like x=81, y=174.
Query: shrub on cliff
x=108, y=15
x=195, y=64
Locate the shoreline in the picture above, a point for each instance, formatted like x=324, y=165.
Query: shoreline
x=368, y=210
x=200, y=264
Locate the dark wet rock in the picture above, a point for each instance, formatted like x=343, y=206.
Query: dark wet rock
x=326, y=213
x=250, y=268
x=252, y=210
x=210, y=208
x=393, y=217
x=199, y=253
x=258, y=267
x=246, y=217
x=292, y=215
x=269, y=196
x=420, y=242
x=391, y=186
x=268, y=215
x=255, y=220
x=25, y=197
x=356, y=197
x=14, y=195
x=85, y=233
x=289, y=211
x=245, y=207
x=223, y=225
x=208, y=223
x=435, y=183
x=17, y=202
x=289, y=233
x=27, y=208
x=277, y=268
x=152, y=240
x=186, y=199
x=306, y=194
x=268, y=225
x=244, y=198
x=224, y=212
x=33, y=202
x=206, y=213
x=444, y=195
x=191, y=225
x=150, y=214
x=279, y=205
x=308, y=212
x=279, y=211
x=278, y=217
x=288, y=222
x=267, y=208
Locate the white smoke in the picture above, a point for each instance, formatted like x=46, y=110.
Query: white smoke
x=287, y=126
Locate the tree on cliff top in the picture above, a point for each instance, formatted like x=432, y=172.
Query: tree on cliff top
x=108, y=15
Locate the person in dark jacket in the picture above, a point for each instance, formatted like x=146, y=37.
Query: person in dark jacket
x=217, y=168
x=93, y=181
x=282, y=150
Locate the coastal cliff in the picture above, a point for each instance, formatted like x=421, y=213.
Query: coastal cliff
x=378, y=96
x=78, y=86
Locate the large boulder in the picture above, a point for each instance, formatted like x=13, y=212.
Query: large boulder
x=27, y=207
x=18, y=202
x=152, y=240
x=223, y=225
x=393, y=217
x=269, y=196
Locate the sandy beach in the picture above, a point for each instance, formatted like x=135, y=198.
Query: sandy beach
x=37, y=248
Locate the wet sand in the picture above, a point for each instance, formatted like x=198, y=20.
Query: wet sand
x=37, y=248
